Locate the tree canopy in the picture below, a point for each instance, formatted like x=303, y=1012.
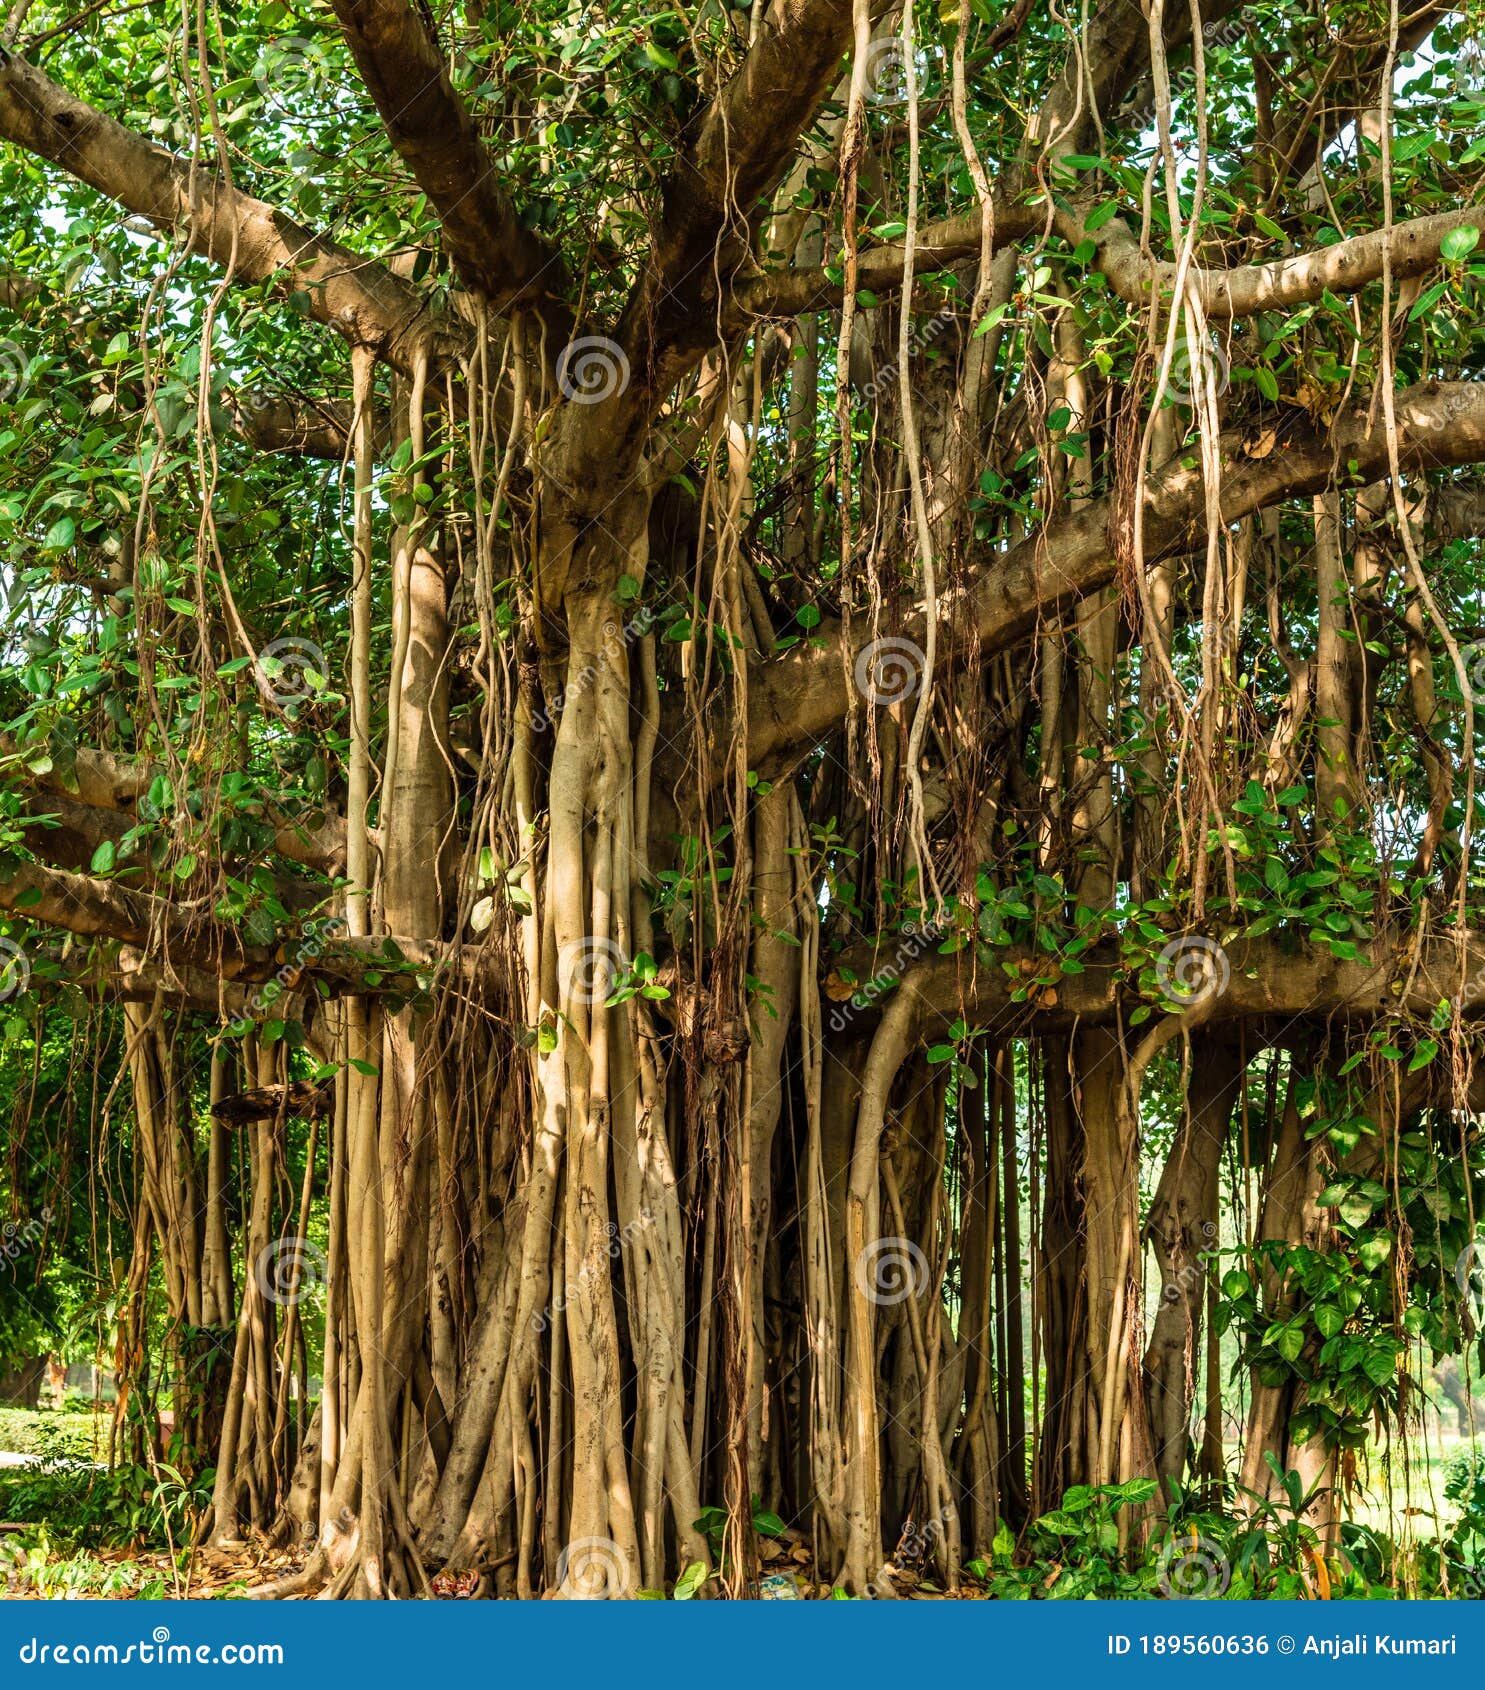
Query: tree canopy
x=737, y=785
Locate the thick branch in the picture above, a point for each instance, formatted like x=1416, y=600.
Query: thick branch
x=105, y=782
x=433, y=133
x=1268, y=978
x=796, y=700
x=354, y=295
x=735, y=155
x=1286, y=282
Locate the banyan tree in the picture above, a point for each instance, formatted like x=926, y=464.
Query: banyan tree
x=741, y=741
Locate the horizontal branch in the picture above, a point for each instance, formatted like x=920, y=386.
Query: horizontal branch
x=939, y=246
x=102, y=781
x=174, y=936
x=1282, y=284
x=357, y=297
x=301, y=428
x=1265, y=979
x=797, y=699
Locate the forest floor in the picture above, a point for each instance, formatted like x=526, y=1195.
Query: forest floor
x=62, y=1535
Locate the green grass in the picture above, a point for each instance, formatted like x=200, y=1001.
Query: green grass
x=26, y=1431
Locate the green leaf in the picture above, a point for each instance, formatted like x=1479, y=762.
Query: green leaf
x=1291, y=1342
x=1380, y=1366
x=690, y=1581
x=1428, y=301
x=1425, y=1053
x=1356, y=1210
x=1375, y=1251
x=1329, y=1320
x=1458, y=243
x=103, y=857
